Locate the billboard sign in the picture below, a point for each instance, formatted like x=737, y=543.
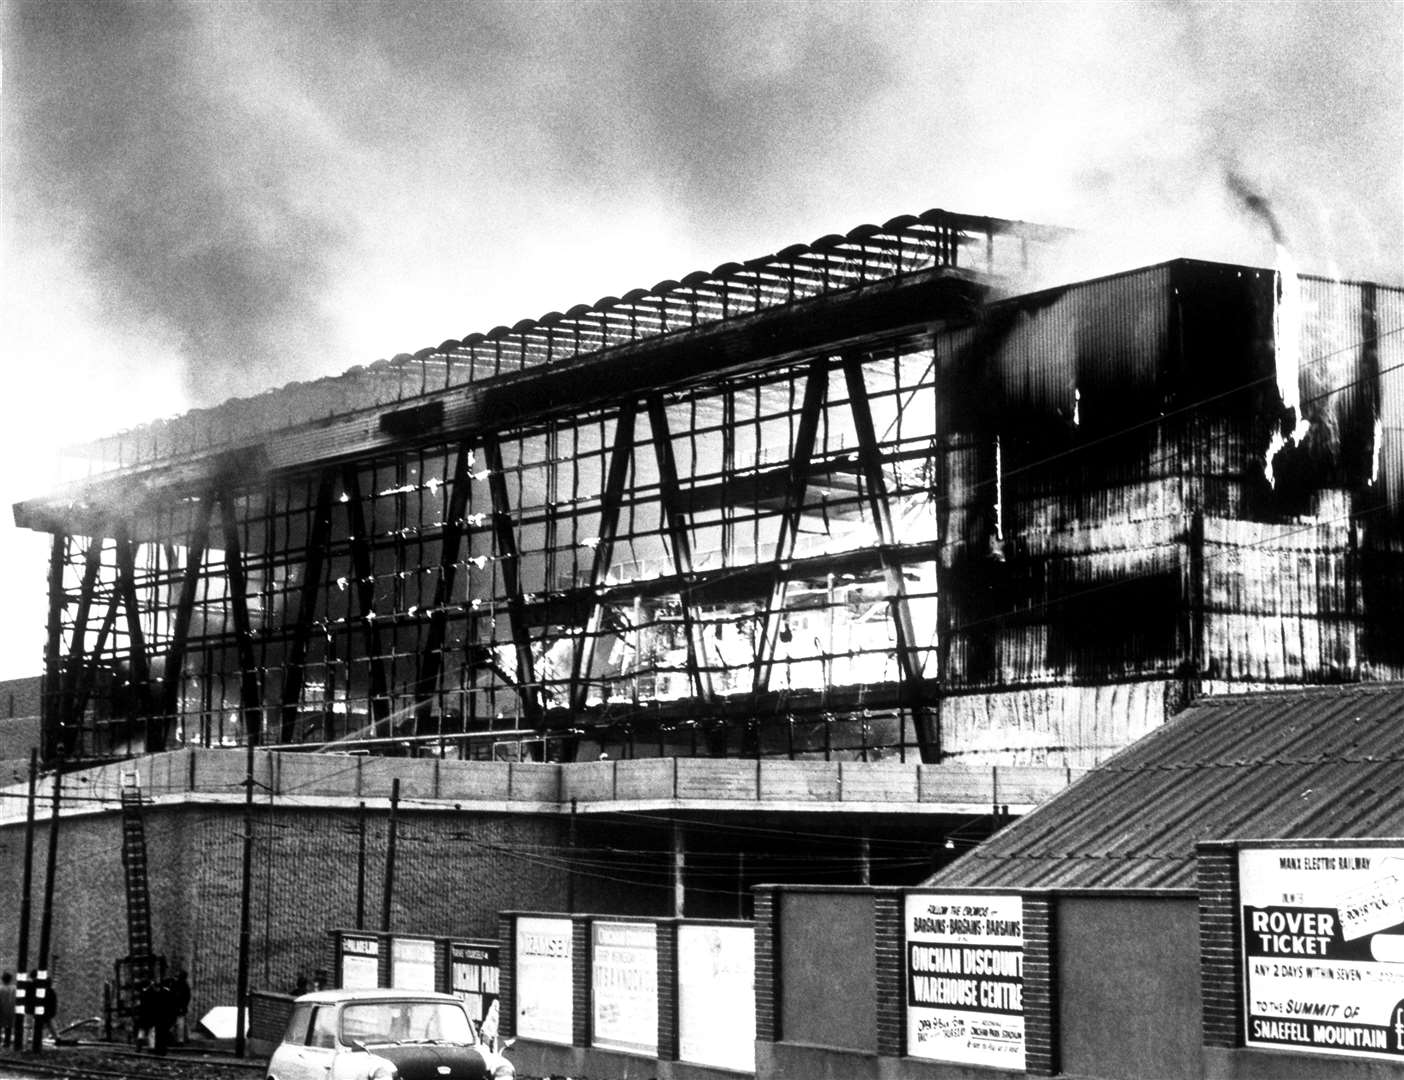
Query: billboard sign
x=965, y=978
x=545, y=997
x=717, y=996
x=1323, y=949
x=473, y=971
x=624, y=978
x=360, y=962
x=412, y=963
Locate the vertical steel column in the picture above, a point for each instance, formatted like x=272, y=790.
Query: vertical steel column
x=670, y=491
x=53, y=714
x=363, y=564
x=185, y=608
x=140, y=703
x=250, y=693
x=431, y=658
x=870, y=459
x=74, y=667
x=295, y=677
x=796, y=489
x=506, y=539
x=611, y=500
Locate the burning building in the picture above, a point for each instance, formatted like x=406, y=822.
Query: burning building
x=864, y=498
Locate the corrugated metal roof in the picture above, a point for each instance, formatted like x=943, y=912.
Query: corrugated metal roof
x=1312, y=764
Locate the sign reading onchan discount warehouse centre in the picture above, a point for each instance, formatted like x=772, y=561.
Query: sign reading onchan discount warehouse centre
x=965, y=978
x=1323, y=949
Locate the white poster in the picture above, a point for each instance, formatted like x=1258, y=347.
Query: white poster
x=717, y=996
x=624, y=981
x=1323, y=949
x=412, y=964
x=545, y=997
x=965, y=978
x=360, y=963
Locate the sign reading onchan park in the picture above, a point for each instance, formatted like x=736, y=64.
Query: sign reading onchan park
x=1323, y=949
x=965, y=978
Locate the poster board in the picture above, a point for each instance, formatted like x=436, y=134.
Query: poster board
x=624, y=986
x=1323, y=949
x=412, y=964
x=717, y=996
x=473, y=976
x=545, y=995
x=964, y=957
x=360, y=962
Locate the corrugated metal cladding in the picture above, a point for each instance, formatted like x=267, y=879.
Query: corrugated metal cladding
x=1309, y=764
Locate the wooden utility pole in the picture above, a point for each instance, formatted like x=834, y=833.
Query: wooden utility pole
x=22, y=953
x=242, y=988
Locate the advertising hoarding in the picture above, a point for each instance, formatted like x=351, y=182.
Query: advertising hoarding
x=360, y=962
x=1323, y=949
x=473, y=971
x=545, y=997
x=412, y=964
x=717, y=996
x=624, y=983
x=965, y=978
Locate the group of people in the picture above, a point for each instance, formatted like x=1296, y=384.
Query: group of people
x=9, y=1033
x=161, y=1015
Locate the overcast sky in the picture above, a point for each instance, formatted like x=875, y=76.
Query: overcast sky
x=206, y=200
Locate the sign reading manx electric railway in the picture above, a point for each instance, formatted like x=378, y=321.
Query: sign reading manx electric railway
x=965, y=978
x=1323, y=945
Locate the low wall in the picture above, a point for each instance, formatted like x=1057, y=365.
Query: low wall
x=628, y=998
x=1047, y=983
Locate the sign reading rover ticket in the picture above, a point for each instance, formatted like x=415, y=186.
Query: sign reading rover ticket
x=965, y=978
x=1323, y=949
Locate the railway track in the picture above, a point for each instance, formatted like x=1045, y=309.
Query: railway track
x=113, y=1063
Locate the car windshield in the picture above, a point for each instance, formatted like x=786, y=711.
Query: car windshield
x=405, y=1021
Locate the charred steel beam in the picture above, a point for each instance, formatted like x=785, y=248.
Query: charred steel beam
x=815, y=386
x=611, y=499
x=364, y=568
x=675, y=520
x=295, y=677
x=140, y=702
x=431, y=658
x=87, y=674
x=250, y=693
x=185, y=608
x=507, y=558
x=74, y=665
x=870, y=458
x=52, y=715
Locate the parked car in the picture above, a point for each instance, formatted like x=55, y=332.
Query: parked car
x=383, y=1035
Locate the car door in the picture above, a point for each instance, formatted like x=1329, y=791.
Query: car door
x=312, y=1058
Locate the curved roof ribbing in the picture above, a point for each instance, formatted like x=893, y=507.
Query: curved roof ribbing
x=830, y=264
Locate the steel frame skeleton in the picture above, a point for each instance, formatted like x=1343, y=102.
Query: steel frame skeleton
x=514, y=560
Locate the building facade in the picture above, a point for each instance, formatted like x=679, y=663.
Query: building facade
x=852, y=499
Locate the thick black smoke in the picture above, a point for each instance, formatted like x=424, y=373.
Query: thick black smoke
x=194, y=211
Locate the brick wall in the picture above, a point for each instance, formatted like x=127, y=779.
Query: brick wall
x=1040, y=987
x=1219, y=945
x=890, y=965
x=580, y=982
x=453, y=873
x=667, y=991
x=767, y=985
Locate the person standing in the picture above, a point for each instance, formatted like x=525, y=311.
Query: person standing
x=180, y=1005
x=7, y=1009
